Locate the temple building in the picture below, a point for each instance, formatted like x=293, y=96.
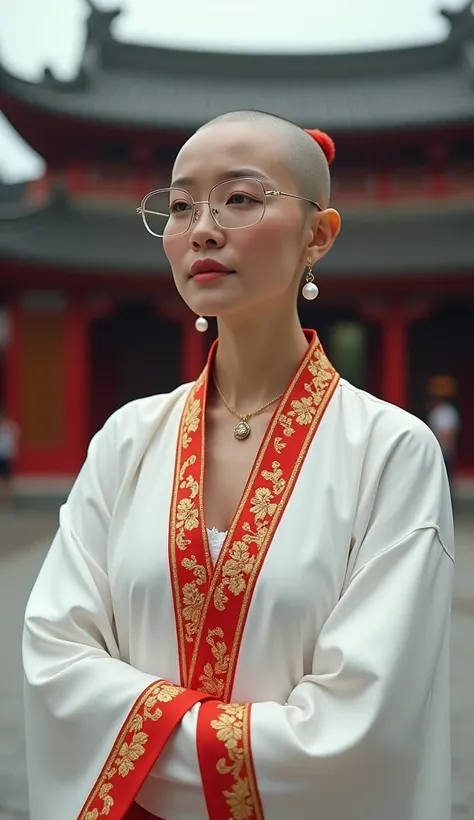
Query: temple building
x=89, y=317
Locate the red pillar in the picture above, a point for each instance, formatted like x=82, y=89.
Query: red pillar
x=395, y=370
x=194, y=348
x=77, y=385
x=394, y=321
x=12, y=359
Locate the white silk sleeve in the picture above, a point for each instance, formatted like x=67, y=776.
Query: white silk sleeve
x=77, y=690
x=355, y=737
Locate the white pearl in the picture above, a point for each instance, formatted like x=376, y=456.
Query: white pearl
x=310, y=291
x=201, y=324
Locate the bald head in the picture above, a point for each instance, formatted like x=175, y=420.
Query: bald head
x=303, y=156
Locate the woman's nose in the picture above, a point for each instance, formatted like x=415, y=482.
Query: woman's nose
x=204, y=230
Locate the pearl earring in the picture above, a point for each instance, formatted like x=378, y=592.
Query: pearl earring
x=201, y=324
x=310, y=290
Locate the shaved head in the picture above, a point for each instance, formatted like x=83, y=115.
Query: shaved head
x=283, y=237
x=304, y=158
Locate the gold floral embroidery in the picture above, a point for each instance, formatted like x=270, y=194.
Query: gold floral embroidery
x=286, y=423
x=130, y=752
x=187, y=516
x=236, y=571
x=275, y=478
x=189, y=483
x=197, y=569
x=240, y=564
x=191, y=421
x=256, y=536
x=193, y=601
x=239, y=800
x=321, y=368
x=279, y=444
x=262, y=504
x=165, y=693
x=229, y=728
x=186, y=520
x=210, y=683
x=304, y=409
x=130, y=747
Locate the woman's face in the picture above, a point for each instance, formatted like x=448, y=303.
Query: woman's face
x=267, y=259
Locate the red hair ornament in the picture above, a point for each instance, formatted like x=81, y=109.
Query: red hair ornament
x=325, y=143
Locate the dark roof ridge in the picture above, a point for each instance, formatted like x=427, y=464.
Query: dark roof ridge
x=102, y=50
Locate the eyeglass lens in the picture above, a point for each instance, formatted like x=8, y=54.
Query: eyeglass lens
x=237, y=203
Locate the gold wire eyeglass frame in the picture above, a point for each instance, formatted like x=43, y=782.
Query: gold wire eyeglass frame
x=213, y=212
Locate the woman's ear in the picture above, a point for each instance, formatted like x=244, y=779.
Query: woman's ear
x=327, y=225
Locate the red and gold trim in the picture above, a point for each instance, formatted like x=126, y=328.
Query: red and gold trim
x=263, y=502
x=140, y=742
x=211, y=605
x=190, y=561
x=225, y=760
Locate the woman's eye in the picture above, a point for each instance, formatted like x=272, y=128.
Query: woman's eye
x=240, y=199
x=179, y=207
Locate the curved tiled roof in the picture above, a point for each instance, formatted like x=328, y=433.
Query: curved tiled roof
x=161, y=88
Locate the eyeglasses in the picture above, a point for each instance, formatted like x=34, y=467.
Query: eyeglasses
x=233, y=204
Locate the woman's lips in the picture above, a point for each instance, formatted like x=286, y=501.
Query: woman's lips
x=208, y=267
x=210, y=276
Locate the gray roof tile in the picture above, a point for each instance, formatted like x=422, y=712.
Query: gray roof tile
x=438, y=243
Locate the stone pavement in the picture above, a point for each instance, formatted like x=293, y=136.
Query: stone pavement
x=24, y=538
x=462, y=673
x=23, y=543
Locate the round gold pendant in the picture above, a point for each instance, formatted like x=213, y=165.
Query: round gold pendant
x=241, y=430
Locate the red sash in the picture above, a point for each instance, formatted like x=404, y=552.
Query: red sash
x=212, y=603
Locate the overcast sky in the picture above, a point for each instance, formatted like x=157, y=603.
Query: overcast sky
x=35, y=33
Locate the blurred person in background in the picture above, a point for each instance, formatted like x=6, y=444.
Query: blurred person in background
x=9, y=439
x=245, y=611
x=443, y=417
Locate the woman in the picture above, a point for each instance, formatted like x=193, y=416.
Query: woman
x=297, y=666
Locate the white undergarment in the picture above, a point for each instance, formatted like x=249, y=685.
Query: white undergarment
x=216, y=541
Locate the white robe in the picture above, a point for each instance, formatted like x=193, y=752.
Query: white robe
x=345, y=649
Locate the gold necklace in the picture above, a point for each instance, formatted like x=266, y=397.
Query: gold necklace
x=242, y=429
